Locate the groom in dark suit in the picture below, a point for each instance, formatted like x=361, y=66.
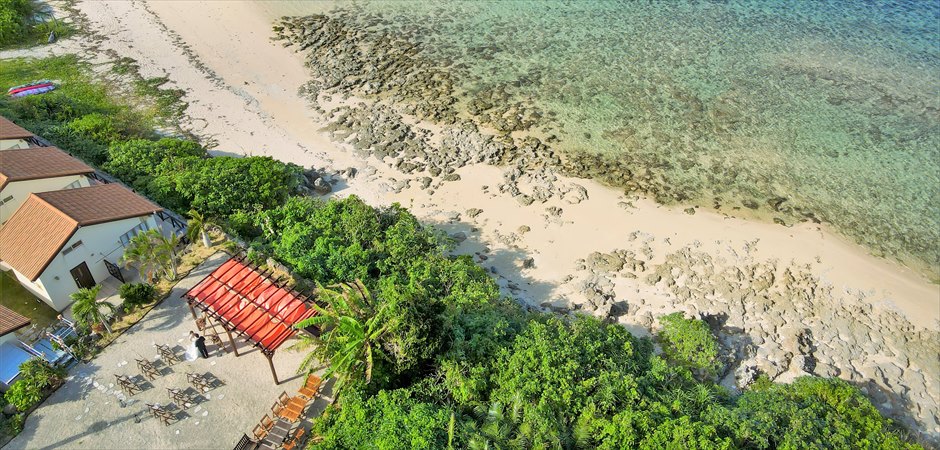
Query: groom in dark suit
x=201, y=346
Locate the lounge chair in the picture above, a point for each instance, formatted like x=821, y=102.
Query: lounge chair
x=311, y=387
x=296, y=441
x=245, y=443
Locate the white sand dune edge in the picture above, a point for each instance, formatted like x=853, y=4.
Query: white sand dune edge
x=241, y=88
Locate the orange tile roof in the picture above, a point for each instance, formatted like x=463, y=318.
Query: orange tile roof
x=47, y=220
x=11, y=321
x=38, y=162
x=10, y=130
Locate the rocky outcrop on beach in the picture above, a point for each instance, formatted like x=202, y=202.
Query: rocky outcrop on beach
x=353, y=53
x=775, y=318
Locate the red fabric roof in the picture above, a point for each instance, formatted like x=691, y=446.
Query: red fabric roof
x=250, y=303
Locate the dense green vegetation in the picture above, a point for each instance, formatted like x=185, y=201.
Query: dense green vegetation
x=135, y=295
x=14, y=20
x=690, y=343
x=25, y=22
x=36, y=376
x=428, y=353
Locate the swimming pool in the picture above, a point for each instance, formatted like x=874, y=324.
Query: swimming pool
x=11, y=356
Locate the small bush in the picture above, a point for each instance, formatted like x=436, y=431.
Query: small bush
x=690, y=343
x=36, y=376
x=95, y=126
x=82, y=347
x=136, y=294
x=14, y=20
x=13, y=425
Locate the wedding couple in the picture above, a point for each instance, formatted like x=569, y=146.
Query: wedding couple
x=199, y=345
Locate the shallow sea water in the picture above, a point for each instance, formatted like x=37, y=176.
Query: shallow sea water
x=833, y=106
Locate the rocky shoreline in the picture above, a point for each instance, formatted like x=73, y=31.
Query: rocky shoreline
x=382, y=97
x=354, y=57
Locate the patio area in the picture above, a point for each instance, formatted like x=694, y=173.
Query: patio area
x=91, y=411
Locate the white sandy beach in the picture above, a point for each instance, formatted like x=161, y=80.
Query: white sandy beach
x=242, y=93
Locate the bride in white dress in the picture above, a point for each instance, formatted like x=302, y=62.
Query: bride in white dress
x=192, y=352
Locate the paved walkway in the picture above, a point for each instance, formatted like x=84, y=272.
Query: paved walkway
x=90, y=411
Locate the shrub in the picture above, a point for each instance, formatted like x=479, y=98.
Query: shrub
x=14, y=20
x=136, y=294
x=13, y=425
x=690, y=343
x=94, y=126
x=133, y=159
x=36, y=376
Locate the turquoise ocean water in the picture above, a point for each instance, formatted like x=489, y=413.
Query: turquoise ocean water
x=832, y=106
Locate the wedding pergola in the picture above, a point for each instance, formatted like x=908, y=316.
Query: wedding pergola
x=249, y=303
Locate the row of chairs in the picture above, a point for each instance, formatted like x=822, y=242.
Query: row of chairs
x=290, y=409
x=167, y=354
x=160, y=413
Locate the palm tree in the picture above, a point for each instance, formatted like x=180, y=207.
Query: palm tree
x=144, y=251
x=353, y=328
x=199, y=225
x=166, y=248
x=87, y=307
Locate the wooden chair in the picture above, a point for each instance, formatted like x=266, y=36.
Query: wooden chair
x=296, y=440
x=167, y=354
x=127, y=385
x=201, y=323
x=259, y=432
x=159, y=413
x=180, y=397
x=267, y=423
x=147, y=369
x=276, y=409
x=198, y=381
x=283, y=398
x=311, y=387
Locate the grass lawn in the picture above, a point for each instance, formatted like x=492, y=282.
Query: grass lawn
x=17, y=298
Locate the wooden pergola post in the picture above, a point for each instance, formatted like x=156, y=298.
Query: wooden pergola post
x=229, y=333
x=271, y=363
x=191, y=309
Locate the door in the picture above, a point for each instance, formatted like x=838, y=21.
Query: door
x=82, y=276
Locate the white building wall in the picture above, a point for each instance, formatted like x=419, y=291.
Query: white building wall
x=99, y=242
x=11, y=144
x=35, y=287
x=20, y=190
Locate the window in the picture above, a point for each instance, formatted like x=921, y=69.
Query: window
x=126, y=237
x=70, y=248
x=6, y=200
x=73, y=185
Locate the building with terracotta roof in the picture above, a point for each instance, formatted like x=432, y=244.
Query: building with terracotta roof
x=37, y=169
x=10, y=321
x=13, y=136
x=57, y=242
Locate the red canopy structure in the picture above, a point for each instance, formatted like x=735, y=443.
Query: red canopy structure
x=248, y=302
